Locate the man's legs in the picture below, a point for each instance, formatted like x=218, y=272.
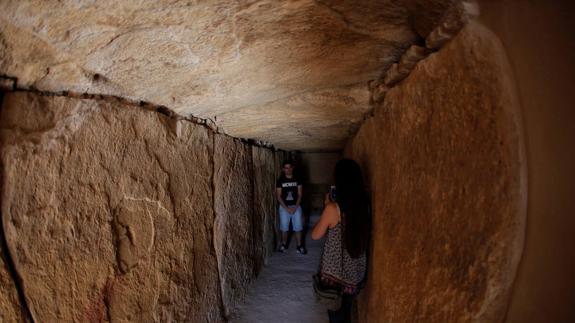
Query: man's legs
x=298, y=238
x=284, y=227
x=297, y=223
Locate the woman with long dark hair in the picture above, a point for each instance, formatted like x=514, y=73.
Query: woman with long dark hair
x=346, y=221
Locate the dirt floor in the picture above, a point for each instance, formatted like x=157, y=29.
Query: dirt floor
x=283, y=291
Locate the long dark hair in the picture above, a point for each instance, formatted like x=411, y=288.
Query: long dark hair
x=354, y=205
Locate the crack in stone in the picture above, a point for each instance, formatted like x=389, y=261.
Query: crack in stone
x=339, y=15
x=215, y=243
x=16, y=278
x=257, y=261
x=291, y=96
x=208, y=123
x=136, y=28
x=107, y=291
x=454, y=20
x=145, y=199
x=8, y=83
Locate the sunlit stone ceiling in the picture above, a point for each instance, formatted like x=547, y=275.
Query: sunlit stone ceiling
x=292, y=73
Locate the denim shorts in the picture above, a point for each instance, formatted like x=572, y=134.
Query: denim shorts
x=296, y=220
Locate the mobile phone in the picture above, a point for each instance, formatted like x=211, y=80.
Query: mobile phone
x=332, y=192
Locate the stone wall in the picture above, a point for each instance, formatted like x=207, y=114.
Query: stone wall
x=444, y=157
x=10, y=308
x=317, y=169
x=538, y=37
x=264, y=204
x=112, y=212
x=233, y=201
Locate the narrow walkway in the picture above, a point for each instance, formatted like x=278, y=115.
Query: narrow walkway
x=283, y=291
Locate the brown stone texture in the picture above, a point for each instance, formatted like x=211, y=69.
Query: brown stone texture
x=220, y=59
x=444, y=153
x=538, y=37
x=233, y=228
x=10, y=308
x=279, y=157
x=454, y=18
x=108, y=212
x=264, y=204
x=425, y=15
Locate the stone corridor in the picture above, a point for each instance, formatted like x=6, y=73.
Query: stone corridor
x=282, y=292
x=140, y=143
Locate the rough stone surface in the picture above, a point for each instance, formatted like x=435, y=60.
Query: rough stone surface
x=425, y=15
x=7, y=84
x=10, y=308
x=445, y=157
x=108, y=212
x=454, y=18
x=218, y=59
x=279, y=157
x=264, y=204
x=541, y=55
x=410, y=58
x=233, y=228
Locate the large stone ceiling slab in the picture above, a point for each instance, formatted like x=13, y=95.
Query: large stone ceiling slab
x=292, y=73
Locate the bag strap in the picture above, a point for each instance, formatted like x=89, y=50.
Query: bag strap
x=342, y=241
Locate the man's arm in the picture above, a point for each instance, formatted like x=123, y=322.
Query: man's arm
x=279, y=197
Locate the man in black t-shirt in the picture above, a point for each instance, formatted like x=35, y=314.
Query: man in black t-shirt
x=289, y=192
